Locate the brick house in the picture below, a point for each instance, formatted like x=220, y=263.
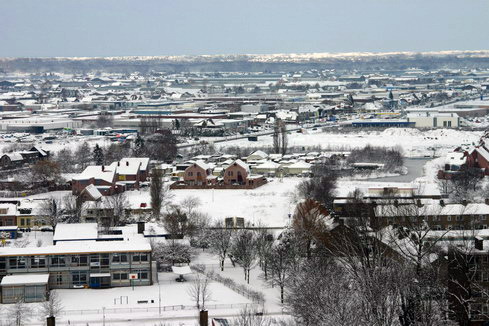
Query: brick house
x=198, y=174
x=131, y=171
x=104, y=178
x=236, y=173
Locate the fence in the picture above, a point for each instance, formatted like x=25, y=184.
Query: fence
x=255, y=296
x=149, y=309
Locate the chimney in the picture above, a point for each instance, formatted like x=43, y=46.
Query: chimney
x=118, y=163
x=479, y=243
x=127, y=163
x=442, y=202
x=140, y=227
x=486, y=201
x=103, y=168
x=464, y=202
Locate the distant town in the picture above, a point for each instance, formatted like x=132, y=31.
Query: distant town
x=280, y=197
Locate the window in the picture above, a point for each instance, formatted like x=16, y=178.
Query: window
x=105, y=261
x=140, y=257
x=17, y=262
x=119, y=258
x=120, y=276
x=482, y=217
x=59, y=278
x=79, y=278
x=58, y=261
x=81, y=260
x=22, y=222
x=142, y=274
x=459, y=218
x=38, y=262
x=449, y=218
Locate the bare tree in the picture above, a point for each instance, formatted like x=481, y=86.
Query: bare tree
x=73, y=207
x=52, y=211
x=309, y=219
x=53, y=306
x=220, y=240
x=244, y=251
x=251, y=316
x=283, y=262
x=19, y=313
x=190, y=203
x=279, y=137
x=178, y=223
x=117, y=204
x=46, y=172
x=199, y=290
x=83, y=155
x=321, y=293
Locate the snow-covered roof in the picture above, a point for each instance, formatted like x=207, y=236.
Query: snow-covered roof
x=456, y=158
x=242, y=164
x=268, y=165
x=75, y=231
x=105, y=173
x=11, y=209
x=181, y=270
x=78, y=247
x=93, y=192
x=260, y=154
x=433, y=210
x=143, y=161
x=201, y=164
x=300, y=165
x=14, y=156
x=25, y=279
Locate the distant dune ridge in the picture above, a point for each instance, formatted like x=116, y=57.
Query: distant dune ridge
x=254, y=62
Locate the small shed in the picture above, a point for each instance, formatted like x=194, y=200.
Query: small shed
x=27, y=287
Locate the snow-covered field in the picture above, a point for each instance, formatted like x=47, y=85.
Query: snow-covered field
x=414, y=142
x=269, y=204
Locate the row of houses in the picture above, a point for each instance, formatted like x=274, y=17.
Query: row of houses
x=18, y=159
x=235, y=175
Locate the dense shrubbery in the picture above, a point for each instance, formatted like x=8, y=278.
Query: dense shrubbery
x=392, y=158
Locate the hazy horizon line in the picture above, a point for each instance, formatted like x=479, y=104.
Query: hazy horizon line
x=283, y=54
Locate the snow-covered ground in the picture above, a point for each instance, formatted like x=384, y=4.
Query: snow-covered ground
x=414, y=142
x=269, y=204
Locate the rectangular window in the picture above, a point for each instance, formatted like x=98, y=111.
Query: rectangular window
x=119, y=258
x=79, y=278
x=58, y=261
x=140, y=257
x=38, y=262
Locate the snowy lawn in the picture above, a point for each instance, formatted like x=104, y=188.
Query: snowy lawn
x=257, y=282
x=414, y=142
x=269, y=204
x=173, y=293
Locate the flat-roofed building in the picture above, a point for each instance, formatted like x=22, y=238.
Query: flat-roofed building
x=94, y=264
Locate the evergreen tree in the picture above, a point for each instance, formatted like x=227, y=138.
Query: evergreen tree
x=139, y=148
x=98, y=155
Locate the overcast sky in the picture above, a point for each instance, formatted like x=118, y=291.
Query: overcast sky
x=32, y=28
